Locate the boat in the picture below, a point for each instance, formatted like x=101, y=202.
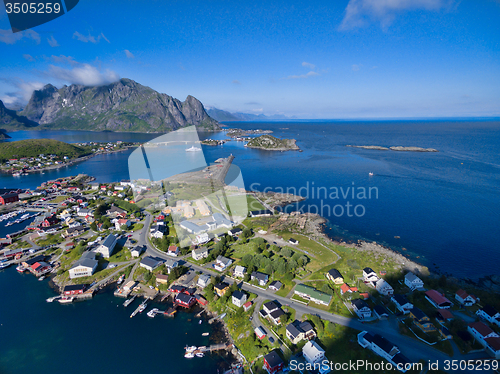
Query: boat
x=51, y=299
x=199, y=322
x=222, y=316
x=370, y=174
x=152, y=312
x=66, y=299
x=205, y=334
x=20, y=268
x=189, y=355
x=41, y=278
x=121, y=279
x=129, y=301
x=4, y=265
x=200, y=354
x=143, y=306
x=191, y=349
x=193, y=149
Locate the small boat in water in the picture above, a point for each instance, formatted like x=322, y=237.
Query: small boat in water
x=199, y=322
x=152, y=312
x=191, y=349
x=200, y=354
x=189, y=355
x=205, y=334
x=120, y=280
x=66, y=299
x=21, y=269
x=4, y=265
x=41, y=278
x=370, y=174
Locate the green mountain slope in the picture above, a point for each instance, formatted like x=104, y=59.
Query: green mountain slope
x=36, y=147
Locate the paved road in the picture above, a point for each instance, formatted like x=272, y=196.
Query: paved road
x=410, y=347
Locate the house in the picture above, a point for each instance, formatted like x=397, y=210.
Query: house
x=275, y=285
x=380, y=312
x=239, y=298
x=161, y=278
x=421, y=320
x=261, y=278
x=201, y=300
x=361, y=308
x=273, y=362
x=235, y=232
x=157, y=231
x=84, y=267
x=173, y=250
x=297, y=331
x=445, y=333
x=490, y=314
x=202, y=238
x=107, y=246
x=293, y=241
x=199, y=253
x=313, y=353
x=222, y=263
x=413, y=282
x=261, y=213
x=184, y=300
x=8, y=196
x=150, y=263
x=170, y=264
x=239, y=271
x=40, y=268
x=74, y=289
x=489, y=339
x=203, y=280
x=437, y=299
x=384, y=288
x=402, y=303
x=120, y=222
x=369, y=275
x=270, y=306
x=346, y=288
x=221, y=288
x=275, y=316
x=385, y=349
x=444, y=315
x=335, y=276
x=74, y=231
x=193, y=228
x=260, y=332
x=221, y=221
x=465, y=299
x=137, y=251
x=247, y=306
x=85, y=212
x=50, y=221
x=310, y=293
x=115, y=211
x=175, y=288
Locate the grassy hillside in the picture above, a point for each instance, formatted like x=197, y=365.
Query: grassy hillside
x=35, y=147
x=270, y=142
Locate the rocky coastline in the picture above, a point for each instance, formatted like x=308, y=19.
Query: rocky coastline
x=394, y=148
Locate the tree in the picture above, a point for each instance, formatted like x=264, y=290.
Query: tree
x=246, y=233
x=286, y=252
x=327, y=289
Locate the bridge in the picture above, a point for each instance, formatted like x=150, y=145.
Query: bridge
x=171, y=142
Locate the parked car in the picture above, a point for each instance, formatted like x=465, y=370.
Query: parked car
x=271, y=339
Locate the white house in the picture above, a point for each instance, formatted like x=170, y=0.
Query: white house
x=202, y=238
x=120, y=222
x=222, y=263
x=137, y=251
x=313, y=353
x=84, y=267
x=464, y=298
x=413, y=282
x=383, y=287
x=85, y=212
x=490, y=314
x=486, y=336
x=239, y=271
x=199, y=253
x=260, y=277
x=173, y=251
x=150, y=263
x=239, y=298
x=361, y=308
x=385, y=349
x=369, y=275
x=170, y=264
x=402, y=303
x=107, y=247
x=203, y=280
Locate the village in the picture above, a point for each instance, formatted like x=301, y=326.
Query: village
x=289, y=297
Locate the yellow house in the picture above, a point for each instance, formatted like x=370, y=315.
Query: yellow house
x=221, y=288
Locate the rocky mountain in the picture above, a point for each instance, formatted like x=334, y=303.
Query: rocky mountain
x=10, y=119
x=225, y=116
x=121, y=106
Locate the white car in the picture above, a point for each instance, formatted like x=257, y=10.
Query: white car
x=112, y=266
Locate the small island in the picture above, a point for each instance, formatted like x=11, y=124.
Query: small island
x=398, y=148
x=271, y=143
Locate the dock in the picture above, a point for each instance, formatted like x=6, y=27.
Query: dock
x=127, y=302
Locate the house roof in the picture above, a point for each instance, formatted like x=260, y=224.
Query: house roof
x=170, y=263
x=436, y=297
x=223, y=260
x=489, y=310
x=276, y=284
x=380, y=310
x=271, y=305
x=85, y=262
x=151, y=261
x=236, y=230
x=359, y=304
x=260, y=276
x=401, y=299
x=417, y=313
x=368, y=270
x=173, y=248
x=334, y=273
x=462, y=293
x=239, y=269
x=313, y=293
x=239, y=295
x=445, y=313
x=312, y=349
x=481, y=328
x=138, y=248
x=277, y=313
x=247, y=304
x=162, y=276
x=257, y=212
x=221, y=286
x=185, y=298
x=74, y=287
x=293, y=330
x=273, y=359
x=108, y=242
x=380, y=341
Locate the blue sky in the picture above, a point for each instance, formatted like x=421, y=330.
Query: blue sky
x=310, y=59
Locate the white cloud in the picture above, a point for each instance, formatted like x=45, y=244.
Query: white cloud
x=8, y=37
x=129, y=54
x=89, y=38
x=303, y=76
x=52, y=41
x=309, y=65
x=62, y=59
x=22, y=93
x=9, y=100
x=26, y=88
x=359, y=13
x=28, y=57
x=83, y=74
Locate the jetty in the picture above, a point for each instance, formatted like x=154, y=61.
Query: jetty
x=139, y=309
x=127, y=302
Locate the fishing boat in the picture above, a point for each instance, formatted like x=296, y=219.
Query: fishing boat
x=3, y=265
x=199, y=322
x=41, y=278
x=191, y=348
x=20, y=268
x=152, y=312
x=121, y=279
x=189, y=355
x=200, y=354
x=205, y=334
x=143, y=306
x=193, y=149
x=66, y=299
x=370, y=174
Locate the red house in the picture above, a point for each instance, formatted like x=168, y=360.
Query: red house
x=184, y=300
x=201, y=300
x=40, y=268
x=273, y=362
x=75, y=289
x=8, y=196
x=176, y=289
x=49, y=221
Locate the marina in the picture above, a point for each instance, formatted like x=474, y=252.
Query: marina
x=139, y=309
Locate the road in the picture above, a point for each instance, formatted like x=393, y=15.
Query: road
x=411, y=348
